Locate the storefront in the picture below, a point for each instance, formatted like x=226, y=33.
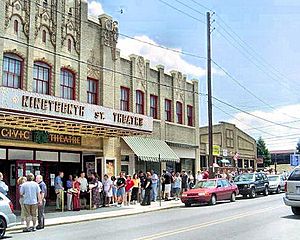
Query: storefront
x=42, y=134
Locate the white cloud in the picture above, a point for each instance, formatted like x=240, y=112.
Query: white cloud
x=288, y=115
x=171, y=60
x=95, y=8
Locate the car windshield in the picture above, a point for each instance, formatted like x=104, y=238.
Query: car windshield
x=244, y=177
x=273, y=178
x=206, y=184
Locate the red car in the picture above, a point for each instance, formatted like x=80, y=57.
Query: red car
x=210, y=191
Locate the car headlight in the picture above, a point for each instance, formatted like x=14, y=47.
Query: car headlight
x=184, y=195
x=201, y=194
x=247, y=185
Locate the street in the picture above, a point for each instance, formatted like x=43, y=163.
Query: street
x=260, y=218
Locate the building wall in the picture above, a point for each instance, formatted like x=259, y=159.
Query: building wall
x=94, y=54
x=232, y=139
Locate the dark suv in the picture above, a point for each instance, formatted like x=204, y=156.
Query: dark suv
x=252, y=184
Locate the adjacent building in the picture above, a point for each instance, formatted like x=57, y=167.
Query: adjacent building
x=232, y=147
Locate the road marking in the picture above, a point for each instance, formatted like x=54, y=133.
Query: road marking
x=207, y=224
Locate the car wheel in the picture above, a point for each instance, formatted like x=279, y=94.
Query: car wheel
x=233, y=197
x=252, y=193
x=187, y=204
x=296, y=210
x=2, y=227
x=266, y=191
x=213, y=200
x=278, y=190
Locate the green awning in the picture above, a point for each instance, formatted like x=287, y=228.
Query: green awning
x=149, y=149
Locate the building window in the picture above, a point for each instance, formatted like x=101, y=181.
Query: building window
x=179, y=112
x=92, y=91
x=41, y=78
x=67, y=84
x=124, y=102
x=168, y=110
x=153, y=106
x=139, y=102
x=69, y=45
x=190, y=116
x=229, y=138
x=16, y=26
x=12, y=71
x=44, y=36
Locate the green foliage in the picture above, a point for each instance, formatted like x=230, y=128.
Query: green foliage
x=262, y=151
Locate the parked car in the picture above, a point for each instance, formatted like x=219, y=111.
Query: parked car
x=292, y=191
x=252, y=184
x=210, y=191
x=276, y=183
x=7, y=217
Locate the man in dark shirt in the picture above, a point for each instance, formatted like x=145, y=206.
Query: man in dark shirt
x=121, y=181
x=147, y=198
x=184, y=181
x=41, y=207
x=167, y=178
x=143, y=184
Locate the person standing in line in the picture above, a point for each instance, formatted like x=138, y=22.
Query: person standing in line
x=114, y=190
x=154, y=180
x=58, y=185
x=69, y=186
x=20, y=181
x=177, y=185
x=41, y=207
x=143, y=184
x=83, y=190
x=94, y=187
x=107, y=187
x=3, y=186
x=128, y=189
x=121, y=189
x=167, y=177
x=147, y=198
x=184, y=181
x=101, y=192
x=199, y=177
x=191, y=180
x=206, y=174
x=136, y=188
x=173, y=190
x=30, y=190
x=76, y=194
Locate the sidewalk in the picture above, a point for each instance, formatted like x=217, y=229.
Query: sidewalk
x=57, y=218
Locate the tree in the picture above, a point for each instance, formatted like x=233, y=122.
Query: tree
x=262, y=151
x=298, y=146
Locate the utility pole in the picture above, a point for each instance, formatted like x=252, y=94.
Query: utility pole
x=209, y=107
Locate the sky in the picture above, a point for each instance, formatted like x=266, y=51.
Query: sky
x=256, y=44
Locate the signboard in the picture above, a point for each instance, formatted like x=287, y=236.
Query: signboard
x=259, y=160
x=216, y=150
x=38, y=136
x=20, y=101
x=294, y=160
x=225, y=152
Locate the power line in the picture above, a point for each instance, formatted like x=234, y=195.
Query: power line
x=127, y=36
x=242, y=121
x=183, y=12
x=203, y=6
x=251, y=48
x=187, y=6
x=247, y=90
x=253, y=115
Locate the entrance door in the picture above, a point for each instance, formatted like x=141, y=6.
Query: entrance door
x=23, y=168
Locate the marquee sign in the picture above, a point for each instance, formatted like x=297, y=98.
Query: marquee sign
x=20, y=101
x=38, y=136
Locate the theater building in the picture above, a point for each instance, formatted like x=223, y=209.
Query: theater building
x=70, y=102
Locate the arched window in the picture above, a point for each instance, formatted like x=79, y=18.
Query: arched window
x=69, y=45
x=12, y=71
x=67, y=84
x=41, y=78
x=44, y=36
x=16, y=27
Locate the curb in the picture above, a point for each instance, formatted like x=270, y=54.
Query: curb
x=97, y=216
